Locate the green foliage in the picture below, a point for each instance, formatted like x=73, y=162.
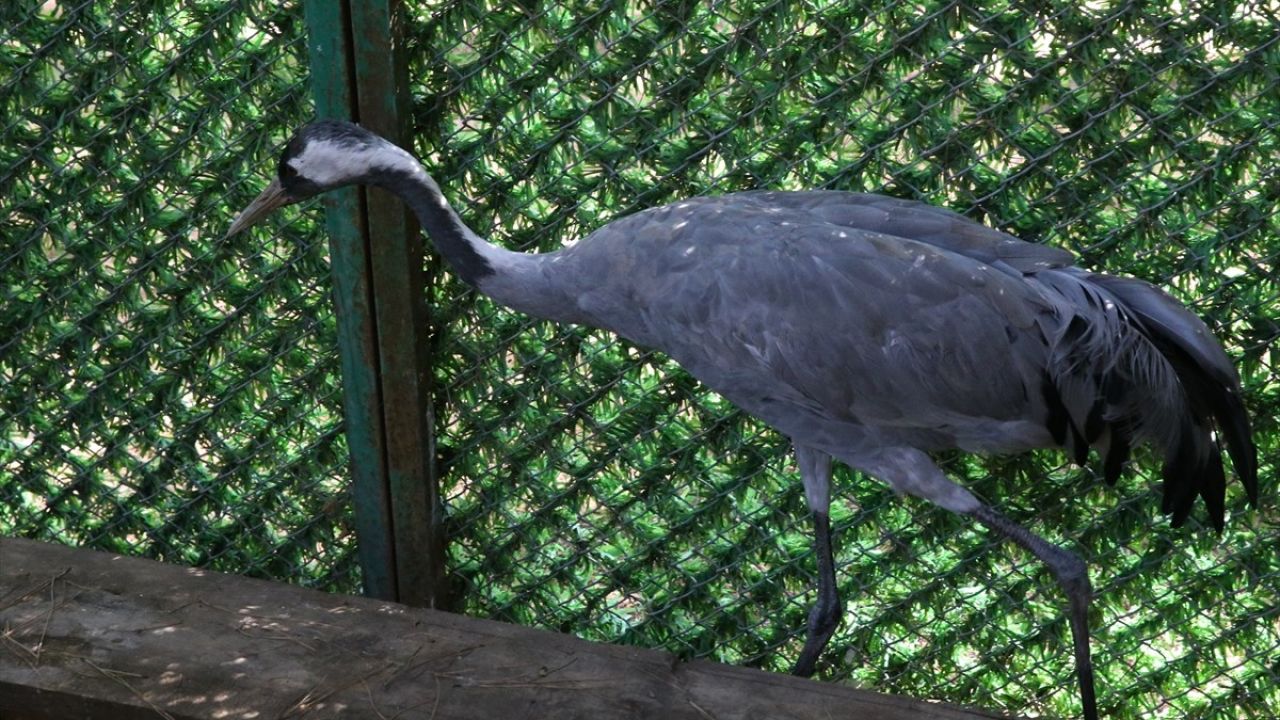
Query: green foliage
x=168, y=394
x=162, y=392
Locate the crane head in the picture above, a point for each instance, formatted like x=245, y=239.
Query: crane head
x=323, y=155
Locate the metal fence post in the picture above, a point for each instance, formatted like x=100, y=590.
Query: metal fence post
x=359, y=72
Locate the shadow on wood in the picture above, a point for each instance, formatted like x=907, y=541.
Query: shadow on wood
x=89, y=634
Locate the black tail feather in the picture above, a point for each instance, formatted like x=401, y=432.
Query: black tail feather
x=1181, y=482
x=1214, y=490
x=1117, y=454
x=1233, y=422
x=1214, y=406
x=1212, y=387
x=1194, y=468
x=1062, y=427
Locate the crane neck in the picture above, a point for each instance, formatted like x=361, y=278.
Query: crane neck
x=528, y=282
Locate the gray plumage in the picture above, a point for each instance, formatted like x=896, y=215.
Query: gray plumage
x=856, y=322
x=867, y=329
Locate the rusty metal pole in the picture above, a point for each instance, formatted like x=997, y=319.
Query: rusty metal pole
x=359, y=72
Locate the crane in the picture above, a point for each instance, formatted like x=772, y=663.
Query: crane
x=867, y=329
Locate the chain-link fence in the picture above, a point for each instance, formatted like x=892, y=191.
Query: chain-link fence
x=168, y=395
x=163, y=393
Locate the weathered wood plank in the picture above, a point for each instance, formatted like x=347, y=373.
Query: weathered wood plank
x=90, y=634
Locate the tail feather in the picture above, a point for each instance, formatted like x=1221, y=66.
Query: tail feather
x=1233, y=421
x=1203, y=367
x=1142, y=367
x=1194, y=468
x=1117, y=453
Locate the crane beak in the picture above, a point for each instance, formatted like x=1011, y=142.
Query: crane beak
x=268, y=201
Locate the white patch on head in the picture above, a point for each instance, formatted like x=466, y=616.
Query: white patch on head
x=329, y=164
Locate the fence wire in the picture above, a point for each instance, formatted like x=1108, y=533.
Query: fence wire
x=169, y=395
x=163, y=393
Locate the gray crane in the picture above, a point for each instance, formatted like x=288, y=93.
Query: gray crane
x=867, y=329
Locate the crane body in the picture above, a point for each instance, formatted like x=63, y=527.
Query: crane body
x=869, y=330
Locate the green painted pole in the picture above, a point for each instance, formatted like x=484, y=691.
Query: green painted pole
x=333, y=89
x=385, y=106
x=359, y=73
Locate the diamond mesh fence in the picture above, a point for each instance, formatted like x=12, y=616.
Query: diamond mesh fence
x=167, y=394
x=161, y=392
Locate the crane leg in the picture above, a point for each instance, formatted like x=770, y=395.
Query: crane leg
x=911, y=471
x=824, y=617
x=1073, y=578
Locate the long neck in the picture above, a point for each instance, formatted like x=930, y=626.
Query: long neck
x=526, y=282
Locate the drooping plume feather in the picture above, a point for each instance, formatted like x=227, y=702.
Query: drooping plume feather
x=1128, y=365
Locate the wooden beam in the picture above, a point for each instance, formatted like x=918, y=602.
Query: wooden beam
x=90, y=634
